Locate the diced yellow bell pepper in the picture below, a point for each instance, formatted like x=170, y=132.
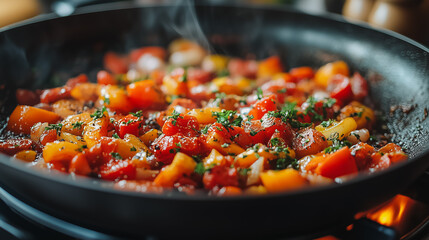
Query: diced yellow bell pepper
x=149, y=137
x=204, y=115
x=26, y=155
x=340, y=129
x=283, y=180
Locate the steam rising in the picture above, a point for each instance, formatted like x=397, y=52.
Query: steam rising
x=183, y=20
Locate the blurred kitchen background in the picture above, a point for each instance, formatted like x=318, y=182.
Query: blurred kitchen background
x=407, y=17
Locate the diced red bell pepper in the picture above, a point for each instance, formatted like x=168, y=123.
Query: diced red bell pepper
x=116, y=170
x=263, y=106
x=54, y=94
x=12, y=146
x=79, y=165
x=220, y=176
x=81, y=78
x=181, y=123
x=48, y=136
x=337, y=164
x=166, y=147
x=341, y=88
x=129, y=124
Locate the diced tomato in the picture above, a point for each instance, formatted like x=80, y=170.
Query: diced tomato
x=220, y=176
x=158, y=52
x=256, y=132
x=263, y=106
x=276, y=125
x=54, y=94
x=115, y=63
x=308, y=142
x=72, y=82
x=362, y=153
x=166, y=147
x=105, y=78
x=241, y=137
x=12, y=146
x=340, y=88
x=129, y=124
x=359, y=86
x=182, y=123
x=300, y=73
x=116, y=170
x=145, y=94
x=244, y=68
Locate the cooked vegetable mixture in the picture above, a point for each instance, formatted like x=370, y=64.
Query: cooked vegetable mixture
x=184, y=120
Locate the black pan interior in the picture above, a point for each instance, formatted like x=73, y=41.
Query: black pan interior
x=47, y=52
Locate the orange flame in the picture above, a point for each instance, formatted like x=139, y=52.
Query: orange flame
x=390, y=214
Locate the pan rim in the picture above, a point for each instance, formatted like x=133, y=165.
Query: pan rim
x=99, y=185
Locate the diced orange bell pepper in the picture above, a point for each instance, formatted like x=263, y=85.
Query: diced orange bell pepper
x=145, y=94
x=26, y=155
x=270, y=66
x=300, y=73
x=229, y=191
x=60, y=151
x=96, y=129
x=326, y=72
x=79, y=165
x=283, y=180
x=85, y=92
x=24, y=117
x=116, y=98
x=182, y=165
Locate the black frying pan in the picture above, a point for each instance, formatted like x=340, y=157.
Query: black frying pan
x=37, y=53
